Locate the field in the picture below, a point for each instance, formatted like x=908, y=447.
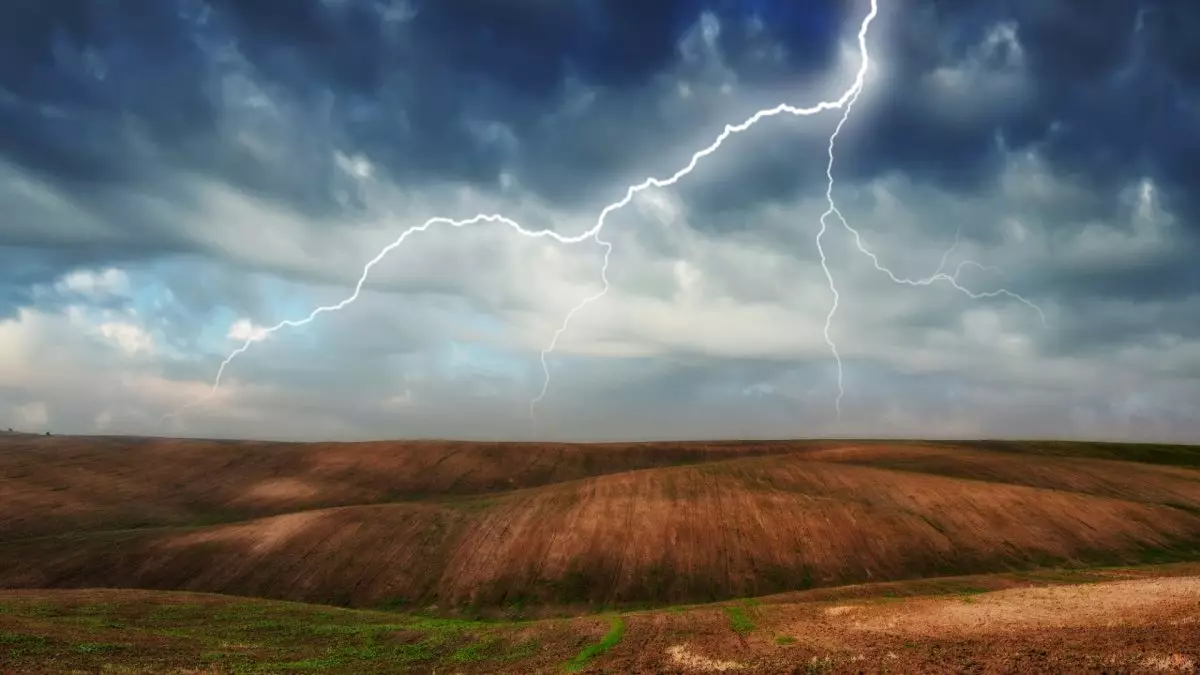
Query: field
x=667, y=557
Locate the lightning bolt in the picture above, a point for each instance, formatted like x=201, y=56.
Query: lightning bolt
x=592, y=233
x=843, y=102
x=262, y=334
x=850, y=98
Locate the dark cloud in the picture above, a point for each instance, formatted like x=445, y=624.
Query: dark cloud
x=76, y=74
x=133, y=87
x=1104, y=84
x=238, y=160
x=403, y=82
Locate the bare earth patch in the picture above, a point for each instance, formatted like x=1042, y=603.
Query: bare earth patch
x=1109, y=604
x=681, y=656
x=1175, y=663
x=281, y=491
x=260, y=536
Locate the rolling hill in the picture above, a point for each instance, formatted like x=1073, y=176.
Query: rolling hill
x=546, y=528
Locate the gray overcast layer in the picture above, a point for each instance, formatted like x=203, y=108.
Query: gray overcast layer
x=177, y=174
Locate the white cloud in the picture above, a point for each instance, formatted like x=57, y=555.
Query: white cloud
x=686, y=276
x=19, y=339
x=244, y=329
x=110, y=281
x=129, y=337
x=702, y=60
x=32, y=416
x=401, y=400
x=357, y=166
x=118, y=329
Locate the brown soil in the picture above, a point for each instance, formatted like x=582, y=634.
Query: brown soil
x=54, y=484
x=1148, y=483
x=486, y=527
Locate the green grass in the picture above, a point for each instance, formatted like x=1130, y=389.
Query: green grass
x=313, y=664
x=520, y=651
x=249, y=637
x=476, y=651
x=97, y=648
x=16, y=645
x=738, y=621
x=616, y=629
x=242, y=636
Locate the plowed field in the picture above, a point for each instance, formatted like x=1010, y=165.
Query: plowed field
x=539, y=529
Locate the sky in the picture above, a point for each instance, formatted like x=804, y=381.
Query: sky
x=178, y=175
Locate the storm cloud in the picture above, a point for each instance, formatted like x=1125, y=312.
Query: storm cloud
x=176, y=174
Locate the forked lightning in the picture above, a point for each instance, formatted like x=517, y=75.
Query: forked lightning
x=845, y=102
